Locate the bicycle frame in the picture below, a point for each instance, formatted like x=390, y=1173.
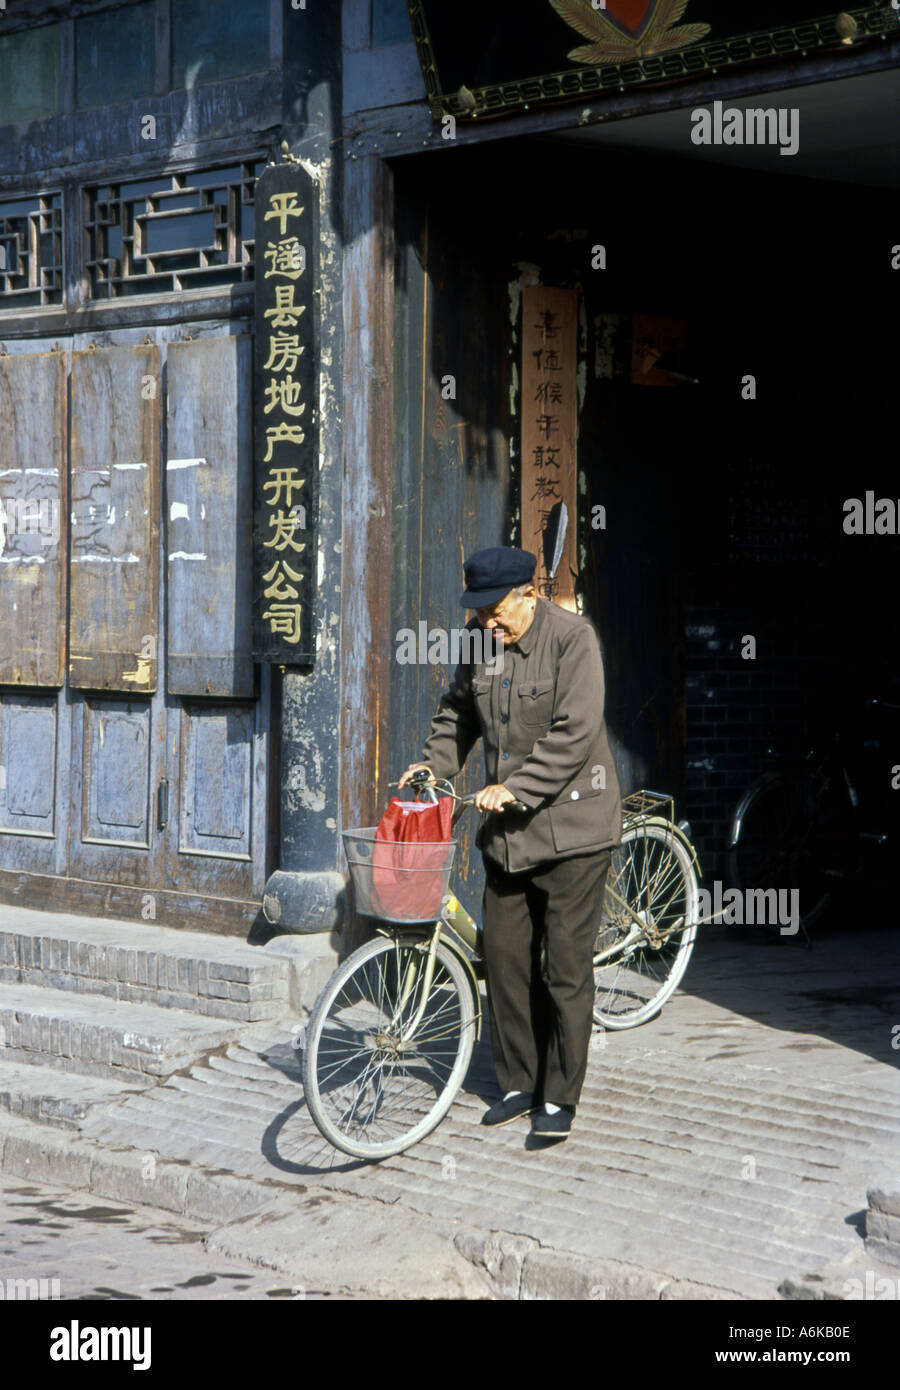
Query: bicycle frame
x=409, y=984
x=439, y=933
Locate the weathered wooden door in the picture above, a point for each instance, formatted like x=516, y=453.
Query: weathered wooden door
x=133, y=728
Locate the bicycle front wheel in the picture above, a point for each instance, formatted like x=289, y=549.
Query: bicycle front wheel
x=641, y=954
x=377, y=1081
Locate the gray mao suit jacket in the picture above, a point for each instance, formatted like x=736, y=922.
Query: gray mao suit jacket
x=541, y=719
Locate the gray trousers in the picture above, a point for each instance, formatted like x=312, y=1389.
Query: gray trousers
x=542, y=1019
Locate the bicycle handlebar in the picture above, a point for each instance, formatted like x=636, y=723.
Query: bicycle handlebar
x=422, y=779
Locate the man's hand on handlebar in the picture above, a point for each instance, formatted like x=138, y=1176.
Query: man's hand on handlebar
x=416, y=767
x=493, y=798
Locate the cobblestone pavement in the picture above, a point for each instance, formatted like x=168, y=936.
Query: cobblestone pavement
x=73, y=1245
x=730, y=1142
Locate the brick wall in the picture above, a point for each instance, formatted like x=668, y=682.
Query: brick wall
x=735, y=709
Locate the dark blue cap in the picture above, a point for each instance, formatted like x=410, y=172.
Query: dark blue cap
x=492, y=573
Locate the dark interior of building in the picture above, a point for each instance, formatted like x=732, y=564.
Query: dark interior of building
x=724, y=515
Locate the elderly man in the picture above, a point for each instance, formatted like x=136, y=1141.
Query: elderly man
x=545, y=744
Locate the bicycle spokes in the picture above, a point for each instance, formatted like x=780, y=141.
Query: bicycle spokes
x=648, y=929
x=389, y=1045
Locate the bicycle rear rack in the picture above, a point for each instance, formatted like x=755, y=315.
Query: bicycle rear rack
x=647, y=803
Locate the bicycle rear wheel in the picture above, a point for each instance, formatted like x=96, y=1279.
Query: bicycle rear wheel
x=635, y=970
x=782, y=838
x=374, y=1087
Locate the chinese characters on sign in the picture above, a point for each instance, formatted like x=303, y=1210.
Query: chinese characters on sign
x=549, y=400
x=286, y=434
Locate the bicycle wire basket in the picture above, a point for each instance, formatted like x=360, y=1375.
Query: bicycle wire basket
x=398, y=881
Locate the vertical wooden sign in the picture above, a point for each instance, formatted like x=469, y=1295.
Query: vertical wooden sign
x=286, y=446
x=549, y=425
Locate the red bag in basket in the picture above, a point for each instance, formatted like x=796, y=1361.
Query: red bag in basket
x=409, y=858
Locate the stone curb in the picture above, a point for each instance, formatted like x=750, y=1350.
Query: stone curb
x=518, y=1268
x=883, y=1222
x=35, y=1151
x=312, y=1234
x=885, y=1198
x=871, y=1275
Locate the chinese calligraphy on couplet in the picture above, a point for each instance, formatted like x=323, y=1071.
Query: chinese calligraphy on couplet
x=285, y=446
x=548, y=405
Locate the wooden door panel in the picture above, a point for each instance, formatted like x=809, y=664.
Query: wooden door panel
x=216, y=780
x=216, y=835
x=117, y=766
x=209, y=507
x=33, y=518
x=218, y=840
x=115, y=519
x=216, y=749
x=116, y=800
x=28, y=764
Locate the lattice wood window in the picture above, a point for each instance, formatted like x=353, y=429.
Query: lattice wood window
x=181, y=231
x=31, y=251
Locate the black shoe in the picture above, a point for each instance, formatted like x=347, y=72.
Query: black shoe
x=555, y=1126
x=506, y=1110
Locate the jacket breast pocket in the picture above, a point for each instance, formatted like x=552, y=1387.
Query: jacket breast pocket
x=481, y=694
x=536, y=701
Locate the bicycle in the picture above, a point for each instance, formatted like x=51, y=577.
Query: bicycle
x=817, y=822
x=391, y=1035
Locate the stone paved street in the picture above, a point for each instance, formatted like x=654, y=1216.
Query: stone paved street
x=727, y=1144
x=77, y=1246
x=724, y=1150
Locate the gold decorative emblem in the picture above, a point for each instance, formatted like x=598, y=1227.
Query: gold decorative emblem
x=627, y=29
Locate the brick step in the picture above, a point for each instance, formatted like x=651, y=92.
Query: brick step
x=96, y=1036
x=677, y=1114
x=231, y=1066
x=221, y=1106
x=828, y=1113
x=257, y=1099
x=763, y=1249
x=704, y=1209
x=679, y=1101
x=57, y=1097
x=223, y=1092
x=142, y=1132
x=275, y=1088
x=144, y=964
x=729, y=1253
